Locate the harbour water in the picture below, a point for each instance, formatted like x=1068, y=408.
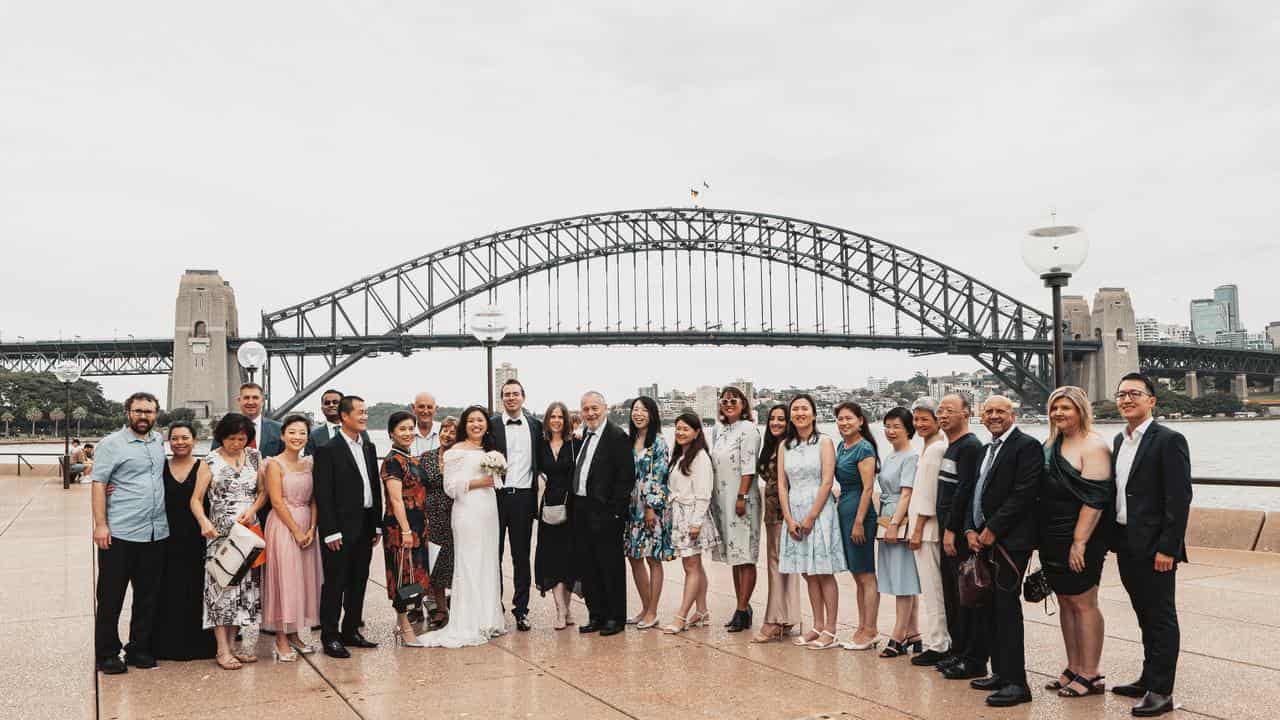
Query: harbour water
x=1243, y=449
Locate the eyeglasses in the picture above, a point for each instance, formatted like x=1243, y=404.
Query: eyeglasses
x=330, y=402
x=729, y=401
x=1130, y=395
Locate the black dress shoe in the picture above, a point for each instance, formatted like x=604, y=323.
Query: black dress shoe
x=928, y=657
x=142, y=661
x=735, y=622
x=965, y=670
x=590, y=627
x=1153, y=704
x=1133, y=689
x=522, y=623
x=947, y=662
x=612, y=627
x=335, y=648
x=989, y=683
x=1009, y=695
x=112, y=665
x=357, y=640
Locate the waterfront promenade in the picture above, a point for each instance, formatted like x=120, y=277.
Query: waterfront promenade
x=1229, y=668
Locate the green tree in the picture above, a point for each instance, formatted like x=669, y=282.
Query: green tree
x=79, y=414
x=56, y=415
x=35, y=415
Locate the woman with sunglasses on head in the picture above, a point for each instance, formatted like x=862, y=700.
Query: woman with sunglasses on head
x=735, y=503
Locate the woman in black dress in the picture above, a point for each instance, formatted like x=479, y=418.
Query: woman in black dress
x=553, y=561
x=1073, y=500
x=179, y=634
x=439, y=508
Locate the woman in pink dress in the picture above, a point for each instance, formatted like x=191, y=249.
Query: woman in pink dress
x=291, y=577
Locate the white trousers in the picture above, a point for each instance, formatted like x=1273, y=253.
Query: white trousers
x=933, y=614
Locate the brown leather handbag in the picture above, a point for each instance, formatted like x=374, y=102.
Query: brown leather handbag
x=975, y=581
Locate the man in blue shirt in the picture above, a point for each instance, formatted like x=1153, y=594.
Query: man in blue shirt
x=129, y=531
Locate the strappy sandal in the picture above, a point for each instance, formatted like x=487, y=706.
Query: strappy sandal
x=230, y=663
x=817, y=645
x=1057, y=684
x=246, y=658
x=802, y=642
x=767, y=636
x=673, y=630
x=893, y=649
x=1094, y=688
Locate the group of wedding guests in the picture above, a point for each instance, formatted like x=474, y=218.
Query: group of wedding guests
x=450, y=498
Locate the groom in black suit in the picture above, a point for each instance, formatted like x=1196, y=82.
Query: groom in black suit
x=518, y=436
x=603, y=475
x=349, y=502
x=1152, y=467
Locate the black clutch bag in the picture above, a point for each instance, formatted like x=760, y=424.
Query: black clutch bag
x=1035, y=588
x=408, y=595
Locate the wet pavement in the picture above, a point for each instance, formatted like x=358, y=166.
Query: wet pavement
x=1229, y=667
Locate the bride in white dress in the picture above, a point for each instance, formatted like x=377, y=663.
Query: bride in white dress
x=476, y=608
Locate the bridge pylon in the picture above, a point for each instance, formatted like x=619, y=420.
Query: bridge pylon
x=205, y=371
x=1116, y=329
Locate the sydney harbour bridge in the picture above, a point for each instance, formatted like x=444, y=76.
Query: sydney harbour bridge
x=664, y=276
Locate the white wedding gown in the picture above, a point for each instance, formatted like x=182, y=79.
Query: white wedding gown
x=476, y=608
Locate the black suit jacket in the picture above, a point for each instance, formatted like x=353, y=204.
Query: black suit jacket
x=612, y=473
x=1157, y=495
x=498, y=435
x=339, y=496
x=1013, y=486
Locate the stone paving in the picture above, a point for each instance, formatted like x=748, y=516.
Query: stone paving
x=1230, y=664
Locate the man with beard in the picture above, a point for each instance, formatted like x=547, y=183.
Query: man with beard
x=129, y=532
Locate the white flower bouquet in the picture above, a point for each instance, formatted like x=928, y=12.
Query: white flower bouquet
x=494, y=465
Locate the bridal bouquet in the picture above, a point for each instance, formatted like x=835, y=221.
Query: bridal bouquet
x=494, y=465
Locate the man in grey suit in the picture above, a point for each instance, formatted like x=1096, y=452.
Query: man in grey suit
x=329, y=429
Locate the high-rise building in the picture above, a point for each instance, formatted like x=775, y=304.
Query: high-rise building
x=877, y=384
x=648, y=390
x=748, y=388
x=504, y=372
x=707, y=401
x=1229, y=295
x=1175, y=334
x=1148, y=330
x=1208, y=318
x=1273, y=334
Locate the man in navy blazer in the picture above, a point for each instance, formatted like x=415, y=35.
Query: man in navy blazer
x=1152, y=467
x=518, y=436
x=332, y=425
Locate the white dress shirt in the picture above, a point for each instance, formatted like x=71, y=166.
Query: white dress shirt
x=519, y=453
x=423, y=444
x=1124, y=464
x=585, y=456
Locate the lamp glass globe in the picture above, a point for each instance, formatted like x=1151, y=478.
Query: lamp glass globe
x=1055, y=249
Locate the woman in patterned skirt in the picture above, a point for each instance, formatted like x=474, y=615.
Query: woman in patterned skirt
x=648, y=531
x=735, y=500
x=692, y=530
x=404, y=527
x=439, y=524
x=234, y=490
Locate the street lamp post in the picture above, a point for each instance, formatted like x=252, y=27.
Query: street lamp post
x=489, y=326
x=251, y=356
x=67, y=373
x=1054, y=253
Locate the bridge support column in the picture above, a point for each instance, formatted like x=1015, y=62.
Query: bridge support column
x=1275, y=385
x=205, y=371
x=1115, y=328
x=1240, y=386
x=1076, y=316
x=1193, y=384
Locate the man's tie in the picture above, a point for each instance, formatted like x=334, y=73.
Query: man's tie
x=577, y=465
x=515, y=422
x=978, y=517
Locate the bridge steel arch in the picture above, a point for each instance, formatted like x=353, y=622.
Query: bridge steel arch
x=823, y=271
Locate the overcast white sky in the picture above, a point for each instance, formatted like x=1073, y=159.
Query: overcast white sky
x=295, y=146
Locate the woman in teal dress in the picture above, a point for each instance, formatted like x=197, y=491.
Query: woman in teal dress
x=647, y=541
x=857, y=462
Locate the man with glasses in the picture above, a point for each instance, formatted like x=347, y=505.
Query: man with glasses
x=518, y=436
x=1152, y=468
x=129, y=531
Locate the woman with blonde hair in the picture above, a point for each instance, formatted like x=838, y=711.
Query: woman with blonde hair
x=1073, y=501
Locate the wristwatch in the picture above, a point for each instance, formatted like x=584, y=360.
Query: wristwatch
x=742, y=496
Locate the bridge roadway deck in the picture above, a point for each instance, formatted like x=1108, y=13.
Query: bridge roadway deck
x=1230, y=666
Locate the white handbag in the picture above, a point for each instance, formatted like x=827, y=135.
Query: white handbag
x=555, y=514
x=230, y=557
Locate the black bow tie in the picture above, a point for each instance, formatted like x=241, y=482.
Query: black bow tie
x=515, y=422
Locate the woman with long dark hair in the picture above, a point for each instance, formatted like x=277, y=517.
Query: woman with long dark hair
x=806, y=472
x=553, y=568
x=476, y=611
x=735, y=501
x=692, y=530
x=782, y=611
x=857, y=462
x=648, y=532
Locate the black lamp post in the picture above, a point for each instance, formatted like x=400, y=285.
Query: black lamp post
x=67, y=373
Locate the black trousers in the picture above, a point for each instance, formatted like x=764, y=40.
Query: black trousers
x=515, y=520
x=597, y=536
x=140, y=564
x=346, y=575
x=1152, y=595
x=963, y=624
x=1000, y=623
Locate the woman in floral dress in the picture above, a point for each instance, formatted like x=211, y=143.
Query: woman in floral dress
x=648, y=530
x=735, y=501
x=404, y=527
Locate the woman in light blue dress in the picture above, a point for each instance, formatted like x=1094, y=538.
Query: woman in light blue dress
x=896, y=566
x=811, y=545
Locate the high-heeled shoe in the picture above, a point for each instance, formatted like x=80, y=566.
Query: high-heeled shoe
x=769, y=632
x=673, y=629
x=700, y=619
x=642, y=625
x=801, y=641
x=399, y=636
x=819, y=645
x=915, y=643
x=871, y=644
x=287, y=657
x=302, y=648
x=893, y=649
